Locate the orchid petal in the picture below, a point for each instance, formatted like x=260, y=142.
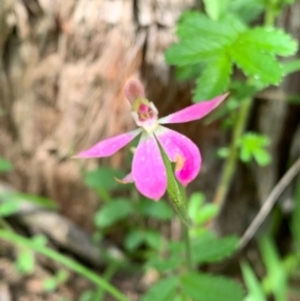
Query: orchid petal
x=193, y=112
x=183, y=151
x=134, y=90
x=109, y=146
x=148, y=169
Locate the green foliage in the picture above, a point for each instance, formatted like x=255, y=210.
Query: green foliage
x=201, y=287
x=163, y=290
x=157, y=210
x=253, y=145
x=215, y=77
x=9, y=208
x=37, y=246
x=215, y=8
x=51, y=284
x=276, y=278
x=14, y=198
x=113, y=212
x=255, y=292
x=103, y=179
x=247, y=10
x=207, y=248
x=136, y=238
x=219, y=43
x=5, y=165
x=25, y=262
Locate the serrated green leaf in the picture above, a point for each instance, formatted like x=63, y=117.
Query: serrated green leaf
x=164, y=290
x=255, y=292
x=195, y=24
x=194, y=50
x=200, y=287
x=214, y=79
x=208, y=248
x=113, y=212
x=270, y=40
x=260, y=66
x=5, y=165
x=158, y=210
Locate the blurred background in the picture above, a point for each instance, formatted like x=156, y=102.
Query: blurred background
x=63, y=67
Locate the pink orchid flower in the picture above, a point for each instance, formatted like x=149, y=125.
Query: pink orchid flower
x=148, y=169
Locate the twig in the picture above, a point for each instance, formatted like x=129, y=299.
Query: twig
x=269, y=203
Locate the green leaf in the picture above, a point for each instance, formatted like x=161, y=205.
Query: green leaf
x=25, y=262
x=5, y=165
x=255, y=292
x=195, y=24
x=261, y=66
x=153, y=239
x=215, y=78
x=164, y=290
x=175, y=190
x=194, y=50
x=164, y=265
x=262, y=157
x=215, y=8
x=157, y=210
x=276, y=279
x=205, y=214
x=270, y=40
x=136, y=237
x=200, y=287
x=223, y=152
x=208, y=248
x=13, y=196
x=113, y=212
x=196, y=201
x=252, y=145
x=9, y=208
x=103, y=178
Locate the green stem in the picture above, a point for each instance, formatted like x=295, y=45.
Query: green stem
x=270, y=14
x=69, y=263
x=187, y=244
x=185, y=233
x=231, y=161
